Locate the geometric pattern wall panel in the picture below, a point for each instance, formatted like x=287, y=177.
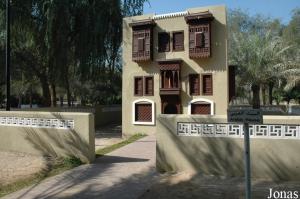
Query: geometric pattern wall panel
x=37, y=122
x=272, y=131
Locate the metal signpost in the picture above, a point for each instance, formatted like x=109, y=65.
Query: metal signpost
x=246, y=116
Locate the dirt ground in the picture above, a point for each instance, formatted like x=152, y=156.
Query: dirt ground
x=187, y=185
x=15, y=166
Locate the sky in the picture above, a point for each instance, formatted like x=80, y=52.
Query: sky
x=281, y=9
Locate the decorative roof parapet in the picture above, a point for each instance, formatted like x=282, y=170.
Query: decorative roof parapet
x=170, y=15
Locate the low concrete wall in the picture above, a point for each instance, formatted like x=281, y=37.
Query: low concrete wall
x=276, y=159
x=104, y=114
x=27, y=132
x=108, y=114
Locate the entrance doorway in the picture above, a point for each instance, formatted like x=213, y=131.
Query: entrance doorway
x=170, y=104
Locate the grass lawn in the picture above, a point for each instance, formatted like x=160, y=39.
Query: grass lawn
x=133, y=138
x=60, y=165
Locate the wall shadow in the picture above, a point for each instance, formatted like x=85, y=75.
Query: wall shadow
x=185, y=185
x=221, y=156
x=59, y=142
x=105, y=178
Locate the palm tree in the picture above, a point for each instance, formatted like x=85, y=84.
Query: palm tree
x=258, y=55
x=290, y=70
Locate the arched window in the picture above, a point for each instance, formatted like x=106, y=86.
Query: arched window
x=143, y=112
x=201, y=106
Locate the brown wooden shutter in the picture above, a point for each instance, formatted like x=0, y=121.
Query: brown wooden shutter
x=194, y=84
x=147, y=49
x=141, y=43
x=149, y=85
x=192, y=31
x=163, y=42
x=135, y=47
x=178, y=41
x=201, y=109
x=138, y=86
x=143, y=112
x=207, y=84
x=207, y=37
x=199, y=39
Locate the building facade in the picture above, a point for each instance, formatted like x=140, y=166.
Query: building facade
x=174, y=64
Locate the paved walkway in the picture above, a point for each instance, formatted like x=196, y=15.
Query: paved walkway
x=125, y=173
x=108, y=135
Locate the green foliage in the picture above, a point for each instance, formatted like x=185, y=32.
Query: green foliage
x=265, y=52
x=278, y=96
x=60, y=42
x=70, y=162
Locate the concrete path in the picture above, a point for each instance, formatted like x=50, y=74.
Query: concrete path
x=108, y=135
x=125, y=173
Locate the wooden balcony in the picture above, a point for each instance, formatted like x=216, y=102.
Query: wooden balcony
x=169, y=77
x=169, y=91
x=170, y=82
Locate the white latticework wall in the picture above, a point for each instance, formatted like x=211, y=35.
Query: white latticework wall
x=279, y=131
x=37, y=122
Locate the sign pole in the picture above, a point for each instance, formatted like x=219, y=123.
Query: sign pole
x=246, y=116
x=247, y=161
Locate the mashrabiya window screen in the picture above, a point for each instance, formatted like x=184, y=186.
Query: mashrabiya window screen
x=143, y=112
x=200, y=108
x=141, y=44
x=199, y=40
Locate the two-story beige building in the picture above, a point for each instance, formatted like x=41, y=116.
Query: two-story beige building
x=174, y=63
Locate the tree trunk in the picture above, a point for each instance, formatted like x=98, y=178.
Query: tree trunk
x=61, y=99
x=46, y=91
x=255, y=91
x=271, y=86
x=53, y=95
x=20, y=101
x=263, y=92
x=68, y=92
x=30, y=97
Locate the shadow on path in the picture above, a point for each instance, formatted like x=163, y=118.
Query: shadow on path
x=115, y=175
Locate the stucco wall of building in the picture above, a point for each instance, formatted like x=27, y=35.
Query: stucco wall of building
x=216, y=64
